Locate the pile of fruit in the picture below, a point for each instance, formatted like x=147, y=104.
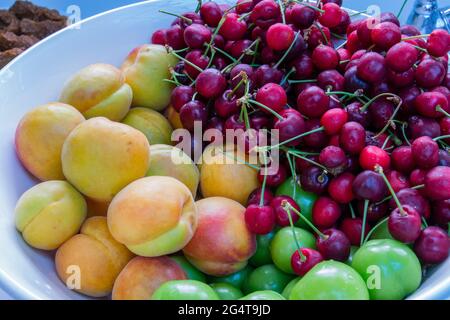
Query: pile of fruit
x=358, y=208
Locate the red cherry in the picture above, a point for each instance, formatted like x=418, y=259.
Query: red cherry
x=432, y=246
x=340, y=188
x=273, y=179
x=260, y=220
x=437, y=183
x=425, y=152
x=325, y=57
x=180, y=96
x=233, y=28
x=211, y=83
x=353, y=137
x=427, y=103
x=405, y=226
x=331, y=17
x=397, y=180
x=211, y=13
x=352, y=228
x=313, y=102
x=159, y=37
x=290, y=126
x=302, y=264
x=282, y=216
x=438, y=43
x=196, y=35
x=197, y=58
x=335, y=245
x=371, y=156
x=279, y=36
x=333, y=120
x=325, y=212
x=401, y=56
x=255, y=197
x=384, y=35
x=272, y=96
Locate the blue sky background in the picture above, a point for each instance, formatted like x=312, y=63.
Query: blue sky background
x=91, y=7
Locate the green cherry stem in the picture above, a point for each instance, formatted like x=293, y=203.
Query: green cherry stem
x=277, y=65
x=439, y=109
x=170, y=50
x=387, y=94
x=442, y=137
x=300, y=156
x=390, y=121
x=263, y=187
x=302, y=81
x=265, y=108
x=298, y=137
x=379, y=170
x=283, y=16
x=352, y=211
x=177, y=15
x=288, y=206
x=401, y=8
x=416, y=37
x=297, y=243
x=363, y=227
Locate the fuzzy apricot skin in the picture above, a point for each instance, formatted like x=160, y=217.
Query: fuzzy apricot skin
x=93, y=255
x=40, y=136
x=153, y=216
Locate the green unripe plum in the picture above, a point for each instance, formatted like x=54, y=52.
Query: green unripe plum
x=192, y=272
x=185, y=290
x=263, y=295
x=330, y=280
x=267, y=277
x=283, y=246
x=390, y=268
x=226, y=291
x=262, y=255
x=236, y=279
x=288, y=289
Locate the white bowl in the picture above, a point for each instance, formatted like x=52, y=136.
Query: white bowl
x=35, y=78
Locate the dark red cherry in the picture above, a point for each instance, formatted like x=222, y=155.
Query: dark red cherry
x=333, y=158
x=233, y=28
x=304, y=67
x=273, y=179
x=333, y=120
x=211, y=83
x=281, y=214
x=437, y=183
x=272, y=96
x=397, y=180
x=353, y=137
x=401, y=56
x=425, y=152
x=325, y=57
x=314, y=140
x=430, y=73
x=196, y=35
x=432, y=246
x=197, y=58
x=340, y=188
x=428, y=102
x=260, y=220
x=279, y=36
x=175, y=37
x=302, y=16
x=318, y=35
x=313, y=102
x=371, y=67
x=266, y=74
x=211, y=13
x=353, y=82
x=352, y=228
x=371, y=156
x=356, y=114
x=369, y=185
x=180, y=96
x=335, y=245
x=375, y=211
x=422, y=126
x=331, y=80
x=325, y=213
x=302, y=264
x=226, y=105
x=314, y=179
x=438, y=43
x=255, y=197
x=384, y=35
x=291, y=126
x=244, y=6
x=441, y=213
x=331, y=17
x=159, y=37
x=191, y=112
x=405, y=225
x=402, y=159
x=414, y=199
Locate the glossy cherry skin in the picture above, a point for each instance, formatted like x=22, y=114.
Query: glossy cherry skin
x=255, y=197
x=401, y=56
x=402, y=159
x=353, y=137
x=325, y=57
x=371, y=67
x=405, y=227
x=265, y=13
x=314, y=140
x=369, y=185
x=352, y=228
x=331, y=17
x=191, y=112
x=234, y=123
x=375, y=211
x=159, y=37
x=318, y=35
x=397, y=180
x=273, y=179
x=226, y=105
x=414, y=199
x=333, y=158
x=313, y=179
x=175, y=37
x=211, y=13
x=180, y=96
x=422, y=126
x=333, y=120
x=266, y=74
x=384, y=35
x=313, y=102
x=340, y=188
x=432, y=246
x=290, y=126
x=437, y=183
x=355, y=114
x=371, y=156
x=425, y=152
x=197, y=58
x=335, y=245
x=233, y=28
x=353, y=82
x=211, y=83
x=426, y=104
x=302, y=264
x=302, y=16
x=430, y=73
x=279, y=36
x=326, y=213
x=304, y=67
x=244, y=6
x=331, y=80
x=438, y=43
x=441, y=213
x=272, y=96
x=196, y=35
x=281, y=214
x=381, y=111
x=260, y=220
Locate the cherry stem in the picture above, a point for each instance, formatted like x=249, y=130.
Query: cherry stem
x=369, y=234
x=283, y=16
x=390, y=121
x=439, y=109
x=294, y=235
x=221, y=52
x=288, y=206
x=177, y=15
x=298, y=137
x=363, y=227
x=442, y=137
x=171, y=51
x=352, y=211
x=379, y=169
x=358, y=13
x=244, y=53
x=287, y=76
x=401, y=9
x=419, y=48
x=404, y=125
x=338, y=36
x=309, y=6
x=321, y=31
x=424, y=222
x=266, y=108
x=387, y=94
x=277, y=65
x=308, y=160
x=418, y=187
x=302, y=81
x=416, y=37
x=263, y=187
x=243, y=80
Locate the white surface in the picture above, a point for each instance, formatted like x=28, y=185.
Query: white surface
x=37, y=77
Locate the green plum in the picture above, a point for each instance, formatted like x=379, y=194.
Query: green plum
x=283, y=246
x=184, y=290
x=330, y=280
x=304, y=199
x=267, y=277
x=226, y=291
x=235, y=279
x=263, y=295
x=192, y=272
x=390, y=268
x=262, y=254
x=288, y=289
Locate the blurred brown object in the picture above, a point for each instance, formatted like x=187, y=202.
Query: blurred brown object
x=23, y=25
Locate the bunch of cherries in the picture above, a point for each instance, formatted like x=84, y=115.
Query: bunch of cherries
x=362, y=108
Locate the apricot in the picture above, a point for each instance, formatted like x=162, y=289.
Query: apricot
x=154, y=125
x=101, y=157
x=222, y=244
x=99, y=90
x=173, y=162
x=40, y=136
x=145, y=70
x=153, y=216
x=49, y=214
x=224, y=173
x=174, y=117
x=142, y=276
x=90, y=262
